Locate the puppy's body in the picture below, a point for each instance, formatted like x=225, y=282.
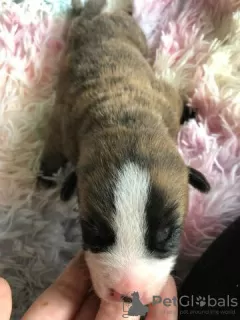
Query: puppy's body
x=118, y=126
x=106, y=79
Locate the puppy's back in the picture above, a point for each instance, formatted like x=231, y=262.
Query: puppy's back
x=106, y=79
x=103, y=53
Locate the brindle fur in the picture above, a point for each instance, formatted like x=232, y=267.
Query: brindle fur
x=110, y=108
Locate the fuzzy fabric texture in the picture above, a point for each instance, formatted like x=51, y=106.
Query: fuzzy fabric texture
x=195, y=45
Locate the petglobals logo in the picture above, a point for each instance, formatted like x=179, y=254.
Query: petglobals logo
x=189, y=304
x=208, y=301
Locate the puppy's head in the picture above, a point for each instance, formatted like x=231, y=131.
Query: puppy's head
x=132, y=215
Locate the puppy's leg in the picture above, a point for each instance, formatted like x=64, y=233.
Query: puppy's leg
x=69, y=186
x=52, y=157
x=116, y=5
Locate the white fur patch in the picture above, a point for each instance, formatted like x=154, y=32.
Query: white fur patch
x=131, y=196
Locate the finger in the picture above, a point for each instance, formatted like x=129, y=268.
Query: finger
x=89, y=308
x=167, y=309
x=5, y=300
x=63, y=298
x=109, y=311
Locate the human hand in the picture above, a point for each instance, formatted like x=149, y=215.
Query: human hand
x=68, y=298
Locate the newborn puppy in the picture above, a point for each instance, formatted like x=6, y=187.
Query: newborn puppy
x=118, y=127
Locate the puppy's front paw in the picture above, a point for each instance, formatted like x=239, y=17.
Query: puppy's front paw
x=50, y=164
x=45, y=183
x=44, y=178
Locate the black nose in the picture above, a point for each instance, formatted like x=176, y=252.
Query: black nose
x=126, y=299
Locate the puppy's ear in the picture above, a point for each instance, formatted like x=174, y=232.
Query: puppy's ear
x=198, y=181
x=187, y=114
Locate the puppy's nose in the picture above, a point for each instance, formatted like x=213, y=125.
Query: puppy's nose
x=126, y=299
x=129, y=284
x=117, y=296
x=123, y=290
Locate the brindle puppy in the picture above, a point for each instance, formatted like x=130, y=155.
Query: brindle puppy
x=118, y=127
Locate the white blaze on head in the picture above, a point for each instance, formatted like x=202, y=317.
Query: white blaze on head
x=131, y=196
x=128, y=265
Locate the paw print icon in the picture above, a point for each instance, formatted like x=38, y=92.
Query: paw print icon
x=201, y=301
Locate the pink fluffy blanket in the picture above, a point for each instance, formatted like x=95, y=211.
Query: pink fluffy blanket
x=195, y=45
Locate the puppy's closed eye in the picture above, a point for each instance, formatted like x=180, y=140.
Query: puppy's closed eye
x=163, y=235
x=166, y=239
x=97, y=235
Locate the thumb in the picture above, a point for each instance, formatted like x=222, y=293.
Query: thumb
x=5, y=300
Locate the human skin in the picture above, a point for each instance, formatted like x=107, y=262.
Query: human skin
x=68, y=298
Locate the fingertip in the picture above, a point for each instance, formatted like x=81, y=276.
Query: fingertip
x=5, y=299
x=5, y=289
